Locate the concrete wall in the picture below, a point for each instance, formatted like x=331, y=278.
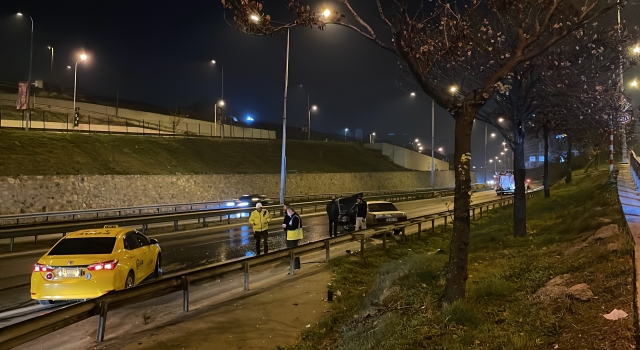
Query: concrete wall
x=408, y=158
x=192, y=126
x=31, y=194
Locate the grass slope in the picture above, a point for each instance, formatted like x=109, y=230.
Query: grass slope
x=40, y=153
x=390, y=299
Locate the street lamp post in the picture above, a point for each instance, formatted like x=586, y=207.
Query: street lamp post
x=283, y=163
x=433, y=142
x=51, y=48
x=30, y=59
x=219, y=104
x=372, y=136
x=623, y=136
x=83, y=57
x=345, y=134
x=309, y=120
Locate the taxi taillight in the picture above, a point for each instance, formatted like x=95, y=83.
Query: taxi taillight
x=42, y=268
x=104, y=265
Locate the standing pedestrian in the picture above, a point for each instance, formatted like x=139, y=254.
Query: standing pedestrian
x=260, y=220
x=294, y=233
x=333, y=211
x=361, y=214
x=285, y=214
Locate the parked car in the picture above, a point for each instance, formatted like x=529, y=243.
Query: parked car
x=89, y=263
x=250, y=200
x=378, y=213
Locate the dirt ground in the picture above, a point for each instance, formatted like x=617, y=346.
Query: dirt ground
x=285, y=310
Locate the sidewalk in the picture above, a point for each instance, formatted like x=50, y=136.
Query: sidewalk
x=630, y=200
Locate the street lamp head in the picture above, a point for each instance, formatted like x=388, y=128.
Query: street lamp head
x=326, y=13
x=440, y=149
x=502, y=153
x=413, y=94
x=49, y=47
x=634, y=83
x=636, y=49
x=374, y=134
x=490, y=160
x=255, y=18
x=19, y=14
x=417, y=140
x=420, y=148
x=314, y=107
x=493, y=134
x=496, y=157
x=221, y=103
x=500, y=120
x=68, y=67
x=346, y=129
x=83, y=57
x=453, y=89
x=213, y=61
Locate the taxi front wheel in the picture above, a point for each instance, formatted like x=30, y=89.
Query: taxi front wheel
x=129, y=282
x=157, y=272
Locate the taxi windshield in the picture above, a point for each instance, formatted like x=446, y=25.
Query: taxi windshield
x=84, y=246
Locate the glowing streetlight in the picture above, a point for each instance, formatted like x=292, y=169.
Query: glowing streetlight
x=326, y=13
x=312, y=108
x=417, y=140
x=345, y=134
x=493, y=134
x=500, y=120
x=221, y=103
x=82, y=57
x=51, y=48
x=453, y=89
x=255, y=18
x=19, y=14
x=413, y=94
x=440, y=149
x=636, y=49
x=634, y=83
x=372, y=136
x=218, y=104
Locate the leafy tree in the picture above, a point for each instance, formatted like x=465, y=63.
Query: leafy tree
x=457, y=51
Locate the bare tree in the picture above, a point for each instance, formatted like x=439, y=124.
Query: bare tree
x=457, y=51
x=177, y=118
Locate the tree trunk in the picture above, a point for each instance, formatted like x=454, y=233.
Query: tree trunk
x=545, y=177
x=519, y=196
x=456, y=272
x=567, y=179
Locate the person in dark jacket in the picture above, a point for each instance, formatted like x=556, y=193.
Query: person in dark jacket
x=361, y=214
x=333, y=211
x=285, y=214
x=293, y=228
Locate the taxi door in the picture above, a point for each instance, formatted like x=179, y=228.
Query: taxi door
x=131, y=247
x=144, y=260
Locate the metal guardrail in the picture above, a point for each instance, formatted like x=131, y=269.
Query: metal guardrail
x=22, y=332
x=176, y=207
x=35, y=230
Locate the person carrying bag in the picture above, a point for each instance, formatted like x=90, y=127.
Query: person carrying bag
x=293, y=228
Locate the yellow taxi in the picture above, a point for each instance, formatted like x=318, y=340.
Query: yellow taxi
x=89, y=263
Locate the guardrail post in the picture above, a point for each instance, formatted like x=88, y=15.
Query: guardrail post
x=185, y=294
x=480, y=211
x=292, y=258
x=11, y=244
x=175, y=225
x=362, y=246
x=36, y=238
x=246, y=275
x=419, y=229
x=473, y=211
x=204, y=222
x=144, y=228
x=327, y=246
x=384, y=240
x=102, y=320
x=433, y=226
x=445, y=222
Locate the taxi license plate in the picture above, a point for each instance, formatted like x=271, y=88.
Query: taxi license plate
x=70, y=273
x=392, y=219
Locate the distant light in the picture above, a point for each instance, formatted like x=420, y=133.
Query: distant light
x=418, y=143
x=413, y=94
x=474, y=166
x=243, y=204
x=346, y=129
x=249, y=118
x=326, y=13
x=417, y=140
x=636, y=49
x=500, y=120
x=374, y=134
x=221, y=103
x=493, y=134
x=496, y=157
x=19, y=13
x=440, y=149
x=490, y=160
x=501, y=153
x=68, y=67
x=634, y=83
x=453, y=89
x=420, y=148
x=231, y=204
x=213, y=61
x=255, y=18
x=83, y=57
x=314, y=107
x=49, y=47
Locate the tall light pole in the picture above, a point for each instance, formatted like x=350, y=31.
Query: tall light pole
x=30, y=59
x=433, y=142
x=283, y=163
x=372, y=137
x=485, y=152
x=309, y=121
x=51, y=48
x=83, y=57
x=345, y=134
x=221, y=79
x=218, y=104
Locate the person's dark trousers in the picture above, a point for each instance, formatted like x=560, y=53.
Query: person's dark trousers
x=258, y=235
x=333, y=228
x=291, y=244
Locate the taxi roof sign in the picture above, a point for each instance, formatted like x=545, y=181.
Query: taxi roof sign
x=110, y=226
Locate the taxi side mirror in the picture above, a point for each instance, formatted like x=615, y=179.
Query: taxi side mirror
x=153, y=241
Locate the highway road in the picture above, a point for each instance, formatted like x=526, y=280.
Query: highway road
x=188, y=249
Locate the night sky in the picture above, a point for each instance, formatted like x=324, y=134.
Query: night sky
x=159, y=52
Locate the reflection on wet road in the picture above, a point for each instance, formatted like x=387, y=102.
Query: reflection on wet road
x=238, y=243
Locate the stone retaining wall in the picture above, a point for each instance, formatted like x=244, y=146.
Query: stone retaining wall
x=32, y=194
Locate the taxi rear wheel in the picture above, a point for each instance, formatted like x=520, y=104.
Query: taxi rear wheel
x=45, y=302
x=130, y=281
